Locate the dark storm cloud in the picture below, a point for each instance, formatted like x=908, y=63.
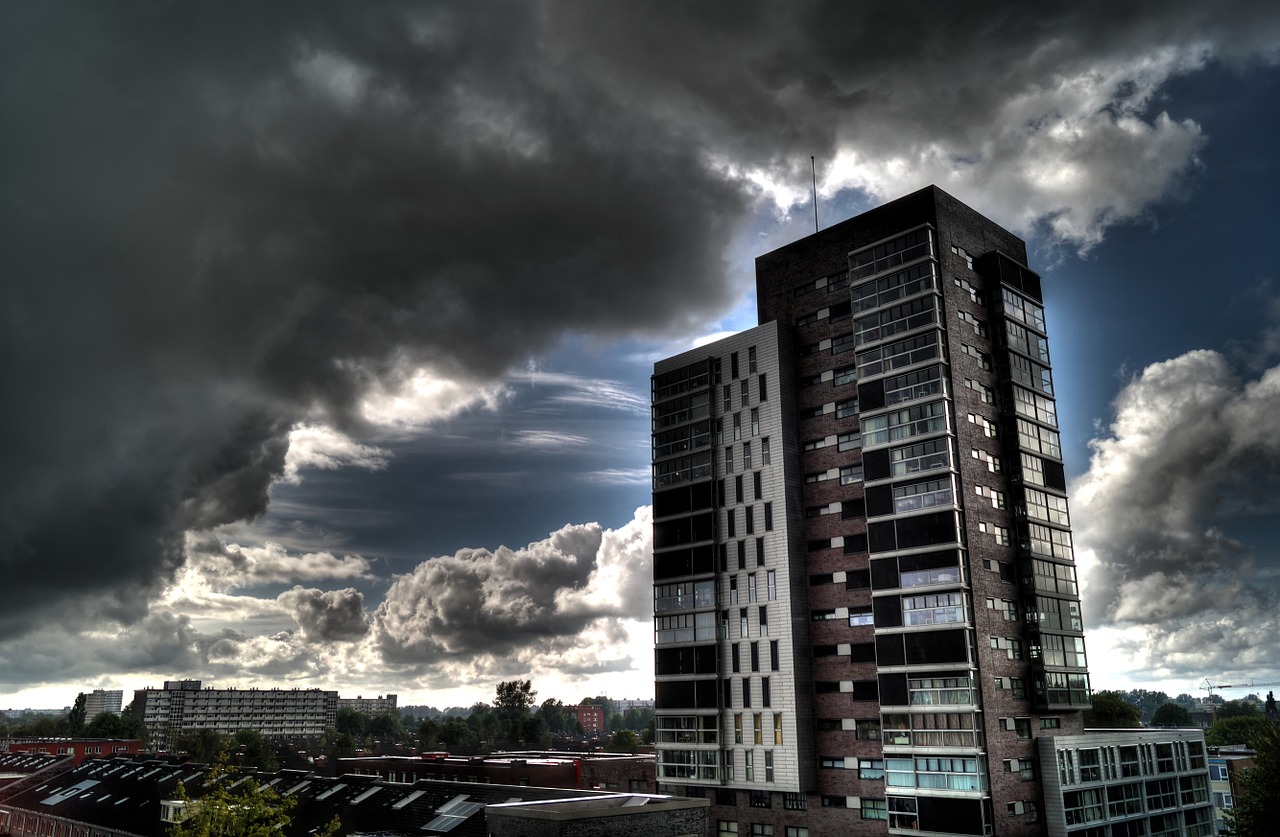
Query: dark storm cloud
x=215, y=226
x=327, y=615
x=217, y=223
x=1187, y=468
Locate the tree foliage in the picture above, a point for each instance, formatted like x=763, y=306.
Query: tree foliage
x=1171, y=715
x=111, y=725
x=1257, y=788
x=1111, y=711
x=75, y=718
x=237, y=809
x=623, y=741
x=1236, y=709
x=1236, y=730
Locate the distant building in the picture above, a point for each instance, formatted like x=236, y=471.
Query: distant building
x=102, y=700
x=369, y=706
x=1225, y=765
x=591, y=719
x=78, y=748
x=556, y=769
x=182, y=706
x=1120, y=782
x=627, y=704
x=21, y=769
x=132, y=798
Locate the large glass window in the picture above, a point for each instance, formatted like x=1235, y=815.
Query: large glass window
x=903, y=424
x=913, y=386
x=922, y=495
x=899, y=319
x=681, y=469
x=1054, y=578
x=1039, y=439
x=685, y=595
x=889, y=254
x=1027, y=342
x=899, y=354
x=684, y=627
x=1047, y=507
x=920, y=457
x=941, y=691
x=1023, y=310
x=895, y=286
x=1033, y=406
x=1054, y=543
x=933, y=609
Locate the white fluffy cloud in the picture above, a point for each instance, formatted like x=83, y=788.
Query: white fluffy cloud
x=1163, y=516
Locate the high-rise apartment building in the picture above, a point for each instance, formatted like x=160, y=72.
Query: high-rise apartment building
x=102, y=700
x=186, y=706
x=865, y=600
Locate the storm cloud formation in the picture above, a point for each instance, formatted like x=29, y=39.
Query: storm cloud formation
x=222, y=226
x=1188, y=467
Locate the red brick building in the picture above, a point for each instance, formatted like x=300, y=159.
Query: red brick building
x=591, y=719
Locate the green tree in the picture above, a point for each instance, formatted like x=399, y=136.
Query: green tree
x=232, y=808
x=1237, y=730
x=1236, y=709
x=75, y=718
x=1171, y=715
x=623, y=741
x=1111, y=711
x=111, y=725
x=349, y=720
x=1257, y=797
x=429, y=734
x=339, y=745
x=455, y=733
x=204, y=745
x=255, y=751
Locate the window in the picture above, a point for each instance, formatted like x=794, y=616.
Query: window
x=737, y=721
x=737, y=427
x=760, y=799
x=759, y=552
x=757, y=728
x=728, y=460
x=734, y=657
x=847, y=375
x=860, y=616
x=755, y=656
x=733, y=364
x=870, y=768
x=903, y=424
x=746, y=693
x=755, y=421
x=834, y=802
x=732, y=523
x=764, y=620
x=915, y=385
x=874, y=809
x=917, y=458
x=726, y=827
x=777, y=728
x=983, y=359
x=795, y=802
x=773, y=655
x=831, y=762
x=750, y=766
x=742, y=622
x=764, y=451
x=764, y=389
x=841, y=344
x=847, y=409
x=1000, y=533
x=746, y=392
x=733, y=589
x=868, y=730
x=771, y=581
x=766, y=695
x=850, y=474
x=933, y=609
x=922, y=495
x=750, y=512
x=996, y=497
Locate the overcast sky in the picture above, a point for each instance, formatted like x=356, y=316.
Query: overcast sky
x=327, y=330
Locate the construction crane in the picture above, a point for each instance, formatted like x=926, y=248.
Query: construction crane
x=1213, y=687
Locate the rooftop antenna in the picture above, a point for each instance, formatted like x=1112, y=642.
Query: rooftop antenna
x=814, y=167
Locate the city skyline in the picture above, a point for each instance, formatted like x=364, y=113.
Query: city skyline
x=450, y=325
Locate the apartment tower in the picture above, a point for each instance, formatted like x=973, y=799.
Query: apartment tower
x=865, y=600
